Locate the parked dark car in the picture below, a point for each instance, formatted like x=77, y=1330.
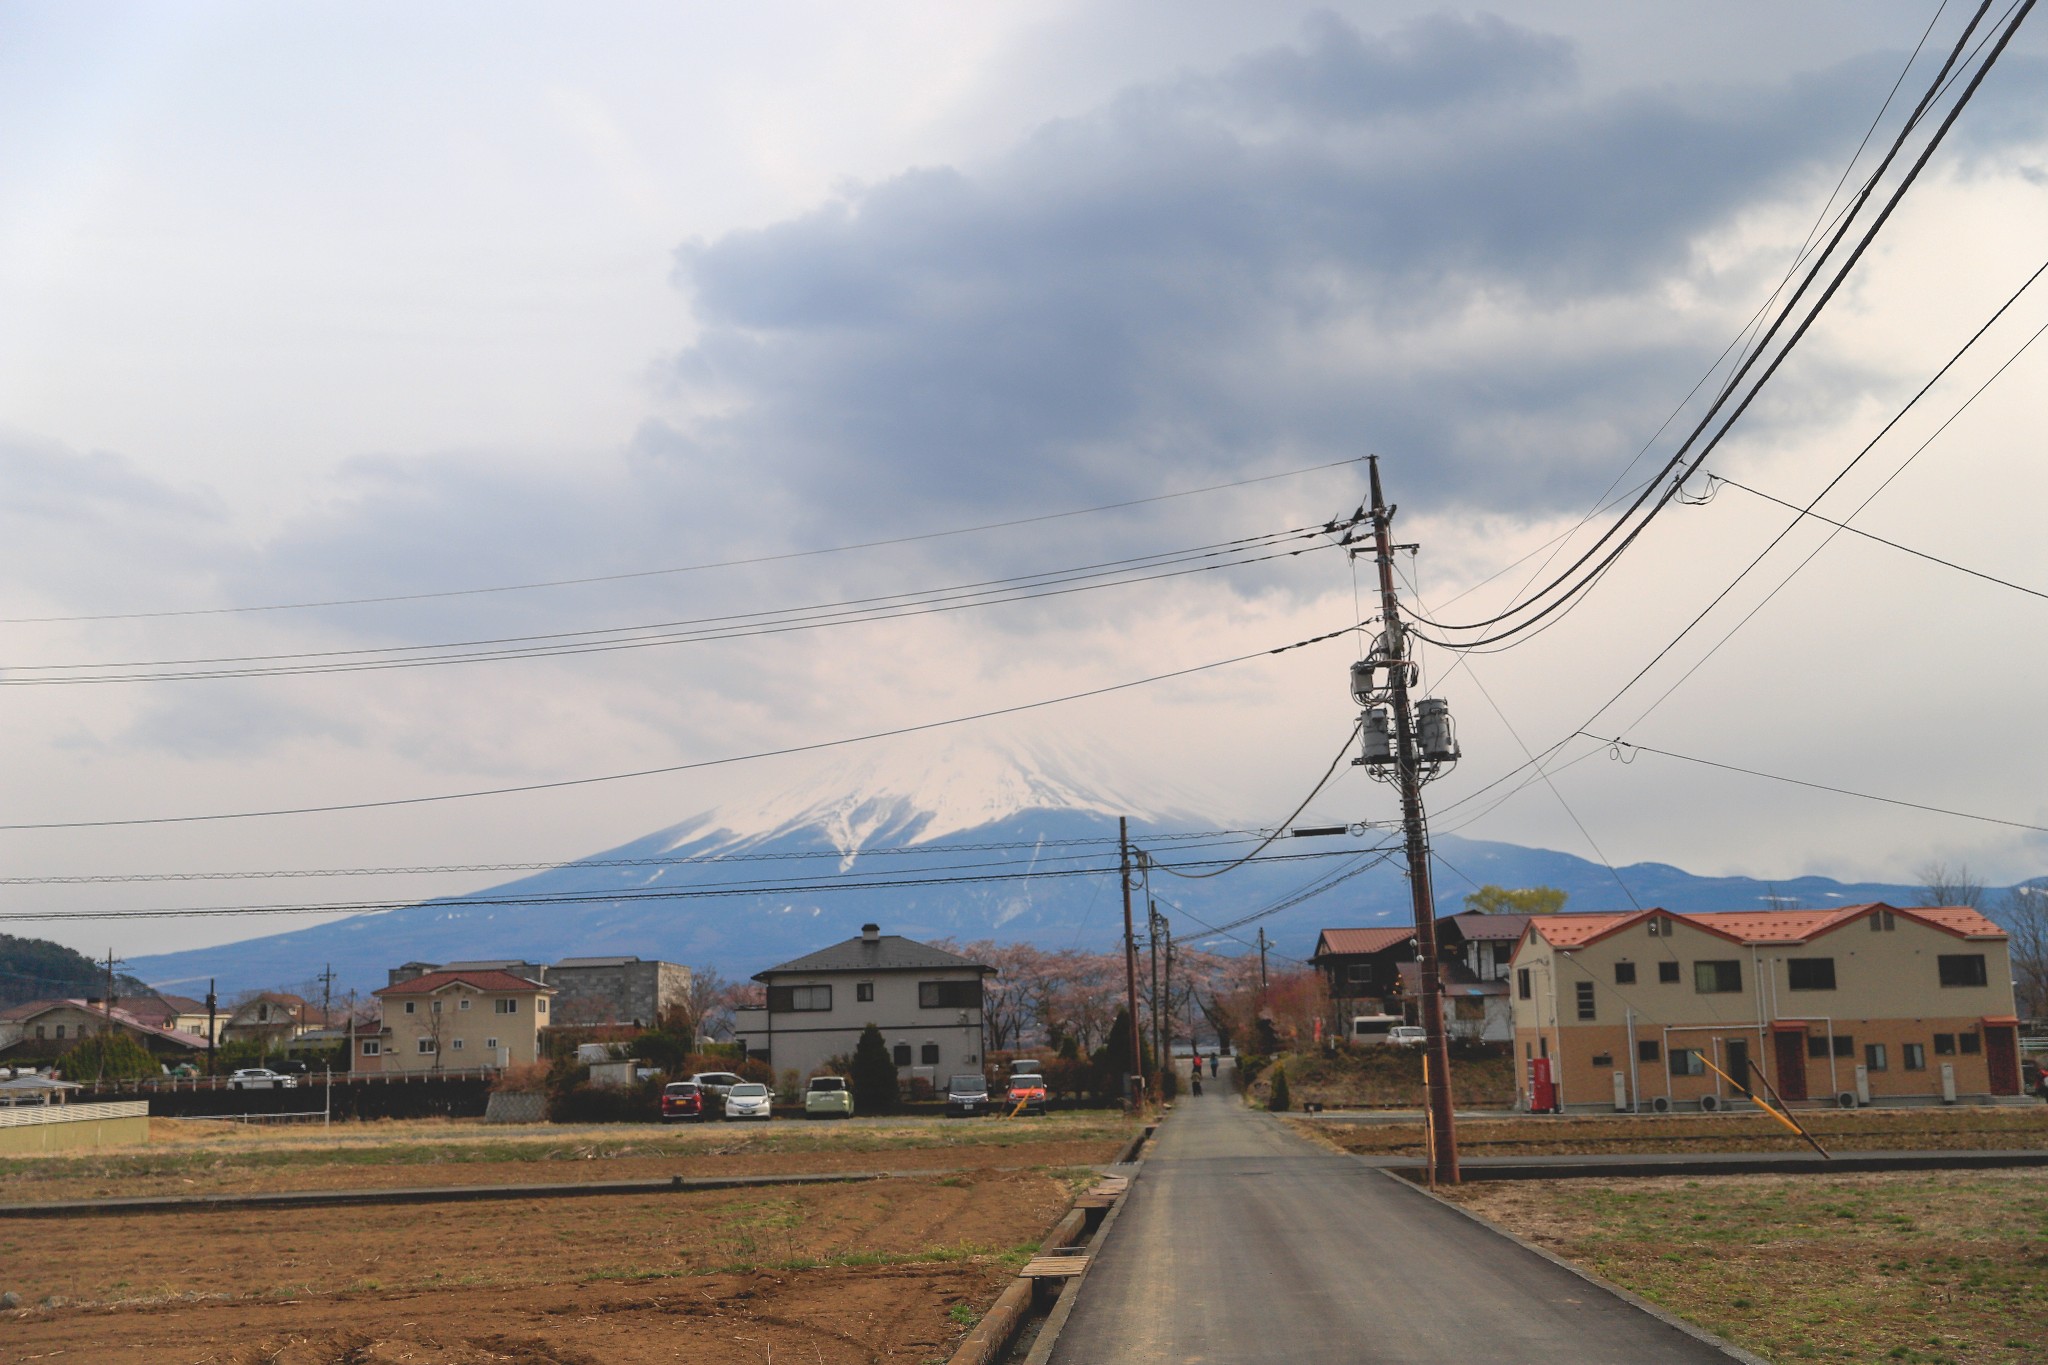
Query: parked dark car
x=682, y=1102
x=967, y=1095
x=290, y=1066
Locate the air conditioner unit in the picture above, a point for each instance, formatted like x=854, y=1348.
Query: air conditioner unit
x=1660, y=1104
x=1846, y=1100
x=1710, y=1104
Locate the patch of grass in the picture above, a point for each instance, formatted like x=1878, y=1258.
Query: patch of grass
x=1910, y=1266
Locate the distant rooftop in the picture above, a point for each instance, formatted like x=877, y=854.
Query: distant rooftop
x=880, y=953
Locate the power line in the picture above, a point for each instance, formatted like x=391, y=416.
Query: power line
x=1187, y=839
x=561, y=783
x=685, y=568
x=713, y=890
x=782, y=621
x=1282, y=827
x=1615, y=745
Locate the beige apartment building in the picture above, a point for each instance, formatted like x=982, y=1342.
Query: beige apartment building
x=456, y=1021
x=1870, y=1001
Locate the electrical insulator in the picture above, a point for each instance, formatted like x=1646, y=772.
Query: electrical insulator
x=1433, y=730
x=1378, y=733
x=1361, y=681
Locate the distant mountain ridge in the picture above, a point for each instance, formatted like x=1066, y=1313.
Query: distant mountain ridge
x=1009, y=832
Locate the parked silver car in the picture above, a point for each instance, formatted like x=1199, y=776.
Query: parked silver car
x=260, y=1078
x=749, y=1100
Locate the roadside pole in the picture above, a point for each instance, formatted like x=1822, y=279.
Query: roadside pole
x=1123, y=838
x=1407, y=762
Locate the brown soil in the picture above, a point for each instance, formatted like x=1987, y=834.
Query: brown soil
x=2002, y=1128
x=54, y=1181
x=871, y=1272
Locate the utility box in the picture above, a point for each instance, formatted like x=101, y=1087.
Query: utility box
x=1620, y=1093
x=1948, y=1082
x=1862, y=1084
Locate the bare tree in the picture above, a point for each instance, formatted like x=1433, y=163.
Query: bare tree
x=2025, y=913
x=1943, y=884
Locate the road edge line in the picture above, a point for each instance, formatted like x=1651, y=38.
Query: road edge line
x=1636, y=1301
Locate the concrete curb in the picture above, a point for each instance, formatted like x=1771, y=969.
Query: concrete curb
x=999, y=1328
x=1669, y=1319
x=1070, y=1292
x=1734, y=1163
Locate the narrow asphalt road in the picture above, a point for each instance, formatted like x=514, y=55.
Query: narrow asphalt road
x=1242, y=1243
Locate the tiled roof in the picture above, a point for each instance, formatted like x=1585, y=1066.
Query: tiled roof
x=889, y=951
x=1474, y=925
x=1761, y=926
x=483, y=981
x=123, y=1017
x=1335, y=942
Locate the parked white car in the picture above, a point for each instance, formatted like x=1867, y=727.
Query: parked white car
x=1407, y=1035
x=261, y=1078
x=748, y=1100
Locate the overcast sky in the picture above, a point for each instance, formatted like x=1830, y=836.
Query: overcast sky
x=320, y=301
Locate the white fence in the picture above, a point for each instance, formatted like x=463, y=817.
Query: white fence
x=24, y=1115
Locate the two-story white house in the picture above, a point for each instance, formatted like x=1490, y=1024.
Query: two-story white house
x=925, y=1000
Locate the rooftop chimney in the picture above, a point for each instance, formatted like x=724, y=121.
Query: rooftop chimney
x=871, y=933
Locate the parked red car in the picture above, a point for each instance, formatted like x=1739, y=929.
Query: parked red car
x=1029, y=1092
x=681, y=1101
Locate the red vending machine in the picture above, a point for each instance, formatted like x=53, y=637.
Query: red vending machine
x=1542, y=1090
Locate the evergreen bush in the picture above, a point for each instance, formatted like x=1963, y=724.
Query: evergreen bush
x=874, y=1074
x=1278, y=1101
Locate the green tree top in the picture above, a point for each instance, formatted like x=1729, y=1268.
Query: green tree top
x=874, y=1074
x=1525, y=900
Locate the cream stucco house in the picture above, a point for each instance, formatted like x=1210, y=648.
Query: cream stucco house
x=456, y=1021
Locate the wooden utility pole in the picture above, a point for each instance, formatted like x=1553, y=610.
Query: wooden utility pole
x=1123, y=838
x=1407, y=763
x=1262, y=964
x=212, y=1025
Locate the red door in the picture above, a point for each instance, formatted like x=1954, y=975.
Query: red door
x=1791, y=1068
x=2002, y=1058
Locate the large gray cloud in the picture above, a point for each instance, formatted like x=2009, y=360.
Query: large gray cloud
x=1234, y=267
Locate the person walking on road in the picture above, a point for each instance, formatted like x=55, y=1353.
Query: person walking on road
x=1213, y=1057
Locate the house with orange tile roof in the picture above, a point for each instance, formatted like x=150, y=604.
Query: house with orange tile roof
x=456, y=1020
x=1655, y=1009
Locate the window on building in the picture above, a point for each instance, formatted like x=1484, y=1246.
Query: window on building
x=1817, y=1046
x=60, y=1030
x=1667, y=973
x=1359, y=973
x=39, y=1030
x=902, y=1054
x=1845, y=1046
x=1624, y=973
x=372, y=1047
x=1585, y=995
x=949, y=995
x=463, y=1003
x=796, y=999
x=457, y=1045
x=411, y=1006
x=929, y=1055
x=491, y=1043
x=1913, y=1056
x=1717, y=977
x=1687, y=1062
x=540, y=1004
x=1883, y=921
x=864, y=991
x=1646, y=1051
x=426, y=1045
x=435, y=1006
x=1660, y=928
x=1962, y=969
x=1522, y=983
x=1944, y=1045
x=1603, y=1059
x=1875, y=1057
x=505, y=1006
x=1810, y=973
x=1970, y=1043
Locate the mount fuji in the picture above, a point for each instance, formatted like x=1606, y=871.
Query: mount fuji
x=960, y=841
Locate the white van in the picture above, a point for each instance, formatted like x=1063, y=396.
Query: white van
x=1373, y=1028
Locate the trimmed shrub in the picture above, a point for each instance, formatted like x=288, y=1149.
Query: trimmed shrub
x=874, y=1074
x=108, y=1057
x=1278, y=1101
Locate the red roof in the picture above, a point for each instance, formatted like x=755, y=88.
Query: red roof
x=480, y=980
x=1761, y=926
x=1342, y=941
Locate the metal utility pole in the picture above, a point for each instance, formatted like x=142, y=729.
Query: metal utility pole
x=1123, y=838
x=1408, y=759
x=212, y=1025
x=326, y=980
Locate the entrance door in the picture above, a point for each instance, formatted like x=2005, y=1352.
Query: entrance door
x=1736, y=1050
x=1791, y=1050
x=2002, y=1058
